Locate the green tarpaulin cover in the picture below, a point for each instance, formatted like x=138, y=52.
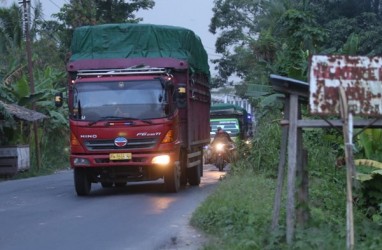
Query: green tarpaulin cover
x=139, y=40
x=225, y=108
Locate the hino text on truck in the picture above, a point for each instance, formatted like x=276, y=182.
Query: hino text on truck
x=139, y=103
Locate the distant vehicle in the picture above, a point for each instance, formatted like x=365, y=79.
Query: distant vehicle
x=233, y=119
x=230, y=125
x=139, y=101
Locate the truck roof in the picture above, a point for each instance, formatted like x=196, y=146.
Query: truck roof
x=126, y=40
x=226, y=109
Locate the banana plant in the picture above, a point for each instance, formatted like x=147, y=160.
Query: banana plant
x=55, y=129
x=369, y=142
x=375, y=166
x=369, y=171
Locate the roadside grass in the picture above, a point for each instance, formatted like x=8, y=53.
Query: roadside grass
x=45, y=170
x=52, y=160
x=238, y=214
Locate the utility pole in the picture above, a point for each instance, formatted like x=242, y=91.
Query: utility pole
x=26, y=26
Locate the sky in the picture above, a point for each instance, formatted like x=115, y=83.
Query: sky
x=192, y=14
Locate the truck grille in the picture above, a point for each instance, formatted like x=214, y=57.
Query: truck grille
x=144, y=143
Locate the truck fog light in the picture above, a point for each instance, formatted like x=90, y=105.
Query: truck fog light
x=161, y=160
x=80, y=161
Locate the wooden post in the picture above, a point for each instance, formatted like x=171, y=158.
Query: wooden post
x=281, y=169
x=348, y=135
x=302, y=211
x=292, y=162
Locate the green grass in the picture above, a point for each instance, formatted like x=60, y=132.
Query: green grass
x=34, y=172
x=51, y=162
x=238, y=214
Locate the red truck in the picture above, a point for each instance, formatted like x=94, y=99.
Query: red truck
x=139, y=102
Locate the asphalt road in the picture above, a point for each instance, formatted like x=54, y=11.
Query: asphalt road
x=45, y=213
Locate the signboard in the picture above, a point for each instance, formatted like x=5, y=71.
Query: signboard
x=360, y=76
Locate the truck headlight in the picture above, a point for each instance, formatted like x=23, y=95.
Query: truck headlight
x=161, y=160
x=80, y=161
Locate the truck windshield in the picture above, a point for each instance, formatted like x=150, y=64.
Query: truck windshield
x=118, y=99
x=231, y=126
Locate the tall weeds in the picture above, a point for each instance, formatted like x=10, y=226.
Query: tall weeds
x=239, y=213
x=263, y=153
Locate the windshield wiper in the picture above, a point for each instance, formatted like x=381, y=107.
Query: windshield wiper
x=117, y=118
x=104, y=118
x=137, y=119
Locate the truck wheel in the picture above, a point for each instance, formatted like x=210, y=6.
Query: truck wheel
x=183, y=167
x=82, y=182
x=172, y=179
x=194, y=174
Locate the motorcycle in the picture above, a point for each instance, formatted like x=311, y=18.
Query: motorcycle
x=222, y=154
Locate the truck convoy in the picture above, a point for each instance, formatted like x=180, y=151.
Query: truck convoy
x=139, y=102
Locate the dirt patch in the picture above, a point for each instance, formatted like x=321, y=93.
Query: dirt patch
x=188, y=238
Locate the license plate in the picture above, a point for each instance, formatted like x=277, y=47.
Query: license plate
x=119, y=156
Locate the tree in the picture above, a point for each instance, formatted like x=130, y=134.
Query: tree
x=14, y=84
x=262, y=37
x=12, y=45
x=73, y=15
x=257, y=38
x=10, y=40
x=117, y=11
x=235, y=21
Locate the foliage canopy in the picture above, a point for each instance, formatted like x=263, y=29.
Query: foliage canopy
x=257, y=38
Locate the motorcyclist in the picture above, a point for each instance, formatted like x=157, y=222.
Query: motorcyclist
x=221, y=136
x=224, y=138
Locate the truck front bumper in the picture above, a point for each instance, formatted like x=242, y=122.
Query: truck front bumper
x=135, y=159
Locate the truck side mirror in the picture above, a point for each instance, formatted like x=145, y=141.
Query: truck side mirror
x=58, y=100
x=181, y=96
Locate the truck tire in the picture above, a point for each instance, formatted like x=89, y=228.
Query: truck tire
x=194, y=174
x=172, y=179
x=183, y=167
x=82, y=182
